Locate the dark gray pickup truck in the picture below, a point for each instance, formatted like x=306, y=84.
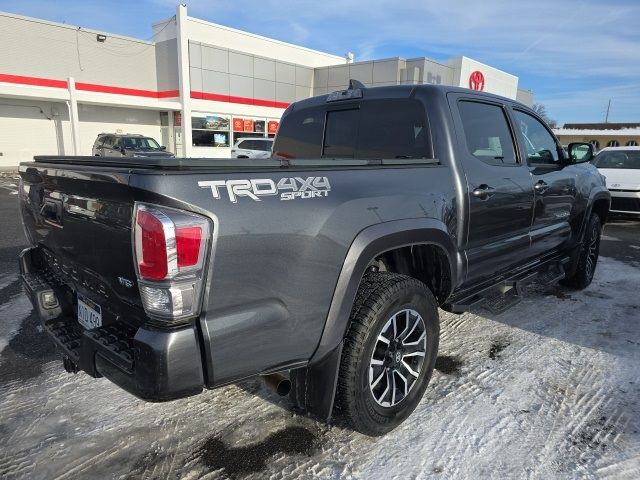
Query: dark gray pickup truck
x=322, y=268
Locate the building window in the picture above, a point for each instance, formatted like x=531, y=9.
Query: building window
x=254, y=127
x=595, y=143
x=210, y=130
x=632, y=143
x=613, y=143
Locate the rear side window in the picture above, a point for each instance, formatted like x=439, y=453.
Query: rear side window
x=393, y=129
x=487, y=133
x=376, y=129
x=262, y=145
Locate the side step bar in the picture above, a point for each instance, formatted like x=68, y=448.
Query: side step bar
x=504, y=294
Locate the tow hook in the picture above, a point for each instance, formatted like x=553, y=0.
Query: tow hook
x=69, y=365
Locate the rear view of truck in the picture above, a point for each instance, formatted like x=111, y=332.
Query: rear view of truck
x=115, y=279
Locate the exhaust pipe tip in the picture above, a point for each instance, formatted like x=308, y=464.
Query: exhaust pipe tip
x=278, y=383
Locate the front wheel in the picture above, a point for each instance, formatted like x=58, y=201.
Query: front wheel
x=588, y=257
x=389, y=352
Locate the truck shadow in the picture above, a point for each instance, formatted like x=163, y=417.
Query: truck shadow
x=27, y=350
x=239, y=461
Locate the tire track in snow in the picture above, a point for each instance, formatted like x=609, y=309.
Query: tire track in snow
x=512, y=420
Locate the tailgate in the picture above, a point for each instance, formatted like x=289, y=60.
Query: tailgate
x=80, y=218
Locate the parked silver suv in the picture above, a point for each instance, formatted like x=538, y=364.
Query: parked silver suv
x=128, y=145
x=252, y=147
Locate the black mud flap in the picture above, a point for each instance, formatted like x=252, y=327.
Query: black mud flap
x=314, y=386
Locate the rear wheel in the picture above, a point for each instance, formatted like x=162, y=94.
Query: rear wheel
x=389, y=352
x=588, y=258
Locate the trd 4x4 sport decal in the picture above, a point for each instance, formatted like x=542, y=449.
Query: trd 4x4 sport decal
x=289, y=188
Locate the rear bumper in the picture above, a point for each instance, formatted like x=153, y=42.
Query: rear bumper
x=152, y=364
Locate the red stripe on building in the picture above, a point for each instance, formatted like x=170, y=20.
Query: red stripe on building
x=134, y=92
x=89, y=87
x=168, y=94
x=39, y=82
x=233, y=99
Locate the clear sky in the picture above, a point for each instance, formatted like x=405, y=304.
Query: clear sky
x=575, y=55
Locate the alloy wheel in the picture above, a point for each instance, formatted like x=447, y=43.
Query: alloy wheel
x=397, y=358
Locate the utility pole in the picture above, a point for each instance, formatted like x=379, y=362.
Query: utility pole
x=606, y=117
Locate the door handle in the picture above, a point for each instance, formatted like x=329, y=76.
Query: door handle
x=541, y=186
x=483, y=192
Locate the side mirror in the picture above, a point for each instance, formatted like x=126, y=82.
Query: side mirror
x=580, y=152
x=162, y=147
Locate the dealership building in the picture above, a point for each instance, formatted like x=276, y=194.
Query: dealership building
x=196, y=87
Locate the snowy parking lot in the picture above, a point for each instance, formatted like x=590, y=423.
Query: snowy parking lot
x=548, y=389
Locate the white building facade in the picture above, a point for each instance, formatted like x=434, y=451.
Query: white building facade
x=196, y=88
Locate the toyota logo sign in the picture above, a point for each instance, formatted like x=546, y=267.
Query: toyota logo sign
x=476, y=81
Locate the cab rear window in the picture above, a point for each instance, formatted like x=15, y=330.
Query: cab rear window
x=375, y=129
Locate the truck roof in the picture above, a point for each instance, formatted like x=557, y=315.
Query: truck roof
x=403, y=91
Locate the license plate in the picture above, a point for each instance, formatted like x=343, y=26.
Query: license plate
x=89, y=313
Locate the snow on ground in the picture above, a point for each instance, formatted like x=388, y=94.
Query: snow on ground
x=548, y=389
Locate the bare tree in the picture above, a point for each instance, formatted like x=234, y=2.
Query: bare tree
x=541, y=110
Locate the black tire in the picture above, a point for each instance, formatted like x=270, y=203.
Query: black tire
x=383, y=298
x=588, y=257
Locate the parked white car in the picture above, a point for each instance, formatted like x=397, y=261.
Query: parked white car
x=252, y=147
x=621, y=167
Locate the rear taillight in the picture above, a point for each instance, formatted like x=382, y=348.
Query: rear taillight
x=170, y=255
x=152, y=260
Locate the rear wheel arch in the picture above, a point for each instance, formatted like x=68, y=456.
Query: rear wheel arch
x=426, y=262
x=404, y=242
x=401, y=246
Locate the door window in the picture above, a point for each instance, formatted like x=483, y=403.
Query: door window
x=540, y=145
x=487, y=133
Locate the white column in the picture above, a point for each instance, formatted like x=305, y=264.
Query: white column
x=72, y=105
x=172, y=138
x=184, y=83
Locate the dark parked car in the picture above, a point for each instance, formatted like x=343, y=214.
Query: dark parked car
x=322, y=268
x=127, y=145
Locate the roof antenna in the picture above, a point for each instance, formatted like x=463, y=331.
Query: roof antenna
x=353, y=84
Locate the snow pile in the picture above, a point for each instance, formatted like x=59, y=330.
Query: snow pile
x=548, y=389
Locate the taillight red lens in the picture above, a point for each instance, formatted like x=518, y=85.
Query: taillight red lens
x=188, y=245
x=153, y=264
